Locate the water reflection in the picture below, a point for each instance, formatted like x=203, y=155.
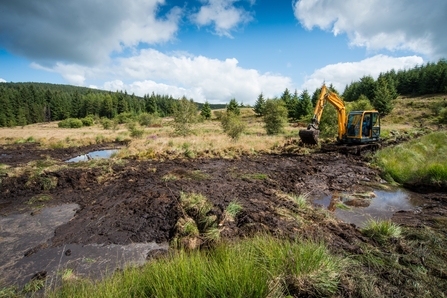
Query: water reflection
x=94, y=155
x=357, y=209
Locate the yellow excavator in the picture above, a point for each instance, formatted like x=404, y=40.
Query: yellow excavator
x=360, y=128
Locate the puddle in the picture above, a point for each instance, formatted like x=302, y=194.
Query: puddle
x=381, y=205
x=94, y=155
x=21, y=234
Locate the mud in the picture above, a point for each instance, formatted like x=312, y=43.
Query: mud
x=138, y=201
x=16, y=154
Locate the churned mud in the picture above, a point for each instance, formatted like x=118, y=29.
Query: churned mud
x=129, y=202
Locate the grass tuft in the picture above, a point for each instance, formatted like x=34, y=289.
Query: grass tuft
x=381, y=230
x=233, y=209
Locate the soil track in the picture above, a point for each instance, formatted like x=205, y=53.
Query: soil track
x=138, y=201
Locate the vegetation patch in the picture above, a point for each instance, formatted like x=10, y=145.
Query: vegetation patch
x=420, y=161
x=259, y=267
x=254, y=176
x=381, y=230
x=39, y=199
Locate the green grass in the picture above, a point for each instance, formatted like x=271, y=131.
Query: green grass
x=259, y=267
x=233, y=209
x=300, y=200
x=255, y=176
x=421, y=160
x=381, y=230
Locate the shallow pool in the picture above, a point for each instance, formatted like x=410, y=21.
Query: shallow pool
x=380, y=204
x=94, y=155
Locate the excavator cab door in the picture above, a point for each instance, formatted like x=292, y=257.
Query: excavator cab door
x=354, y=125
x=363, y=127
x=375, y=126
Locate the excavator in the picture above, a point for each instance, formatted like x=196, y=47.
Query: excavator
x=357, y=131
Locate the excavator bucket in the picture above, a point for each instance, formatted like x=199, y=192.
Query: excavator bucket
x=309, y=136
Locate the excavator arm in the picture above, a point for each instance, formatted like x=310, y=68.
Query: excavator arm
x=310, y=136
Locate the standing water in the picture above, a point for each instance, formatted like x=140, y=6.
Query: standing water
x=94, y=155
x=378, y=205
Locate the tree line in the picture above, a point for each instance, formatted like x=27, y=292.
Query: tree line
x=430, y=78
x=27, y=103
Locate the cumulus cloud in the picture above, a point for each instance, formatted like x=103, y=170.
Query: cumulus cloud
x=196, y=77
x=417, y=26
x=2, y=80
x=223, y=15
x=149, y=86
x=82, y=31
x=342, y=74
x=218, y=80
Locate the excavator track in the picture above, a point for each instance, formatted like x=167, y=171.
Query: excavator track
x=350, y=149
x=309, y=136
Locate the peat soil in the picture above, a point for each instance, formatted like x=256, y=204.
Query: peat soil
x=128, y=202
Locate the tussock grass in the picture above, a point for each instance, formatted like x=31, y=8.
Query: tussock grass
x=259, y=267
x=233, y=209
x=381, y=230
x=421, y=160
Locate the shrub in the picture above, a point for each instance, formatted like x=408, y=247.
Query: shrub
x=232, y=124
x=124, y=118
x=87, y=121
x=361, y=104
x=275, y=116
x=106, y=123
x=70, y=123
x=185, y=115
x=147, y=119
x=329, y=122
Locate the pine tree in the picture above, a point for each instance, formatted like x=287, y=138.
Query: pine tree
x=383, y=98
x=286, y=97
x=233, y=107
x=259, y=105
x=275, y=116
x=304, y=106
x=151, y=104
x=316, y=96
x=206, y=111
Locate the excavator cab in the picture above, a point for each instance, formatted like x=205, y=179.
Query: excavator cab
x=362, y=127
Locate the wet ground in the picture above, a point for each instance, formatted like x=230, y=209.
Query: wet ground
x=134, y=205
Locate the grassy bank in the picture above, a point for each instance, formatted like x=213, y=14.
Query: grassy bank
x=421, y=160
x=407, y=264
x=259, y=267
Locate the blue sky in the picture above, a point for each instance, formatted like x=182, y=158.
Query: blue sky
x=216, y=50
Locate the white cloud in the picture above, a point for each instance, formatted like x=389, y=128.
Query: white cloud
x=196, y=77
x=2, y=80
x=342, y=74
x=82, y=31
x=417, y=26
x=223, y=14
